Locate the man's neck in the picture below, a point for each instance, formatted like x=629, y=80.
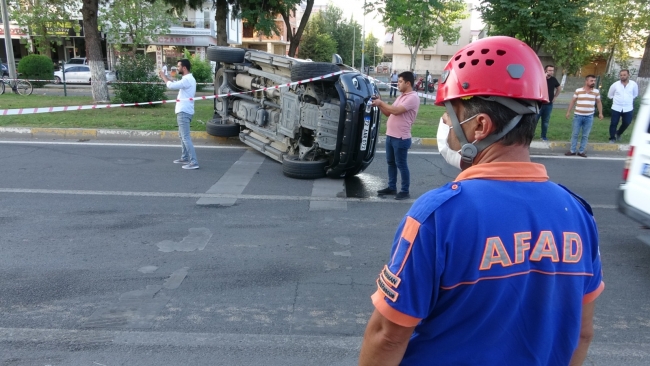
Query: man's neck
x=625, y=82
x=498, y=152
x=587, y=88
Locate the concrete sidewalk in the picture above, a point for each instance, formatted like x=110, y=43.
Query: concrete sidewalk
x=86, y=134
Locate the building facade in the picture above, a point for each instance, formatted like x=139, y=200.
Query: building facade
x=433, y=58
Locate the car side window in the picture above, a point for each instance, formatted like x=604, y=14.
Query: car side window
x=83, y=68
x=71, y=69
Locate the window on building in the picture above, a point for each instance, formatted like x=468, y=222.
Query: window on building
x=248, y=31
x=427, y=57
x=444, y=58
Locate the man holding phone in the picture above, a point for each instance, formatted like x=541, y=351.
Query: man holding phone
x=401, y=116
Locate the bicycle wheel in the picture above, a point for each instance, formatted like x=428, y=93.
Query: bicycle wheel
x=24, y=87
x=2, y=87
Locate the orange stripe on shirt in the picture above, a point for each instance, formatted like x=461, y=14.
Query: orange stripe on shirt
x=516, y=274
x=409, y=232
x=391, y=314
x=594, y=294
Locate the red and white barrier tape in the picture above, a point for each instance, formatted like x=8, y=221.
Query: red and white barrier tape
x=108, y=82
x=23, y=111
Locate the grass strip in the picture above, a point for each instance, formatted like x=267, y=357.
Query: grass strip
x=162, y=117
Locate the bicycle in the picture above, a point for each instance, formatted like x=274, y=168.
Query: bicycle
x=18, y=86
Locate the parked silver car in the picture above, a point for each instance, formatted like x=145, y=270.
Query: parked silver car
x=78, y=74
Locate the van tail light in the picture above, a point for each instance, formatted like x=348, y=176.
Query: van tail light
x=628, y=161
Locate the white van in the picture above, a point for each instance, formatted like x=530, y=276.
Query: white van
x=634, y=192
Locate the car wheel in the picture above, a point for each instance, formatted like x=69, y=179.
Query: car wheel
x=57, y=80
x=303, y=169
x=216, y=128
x=228, y=55
x=308, y=70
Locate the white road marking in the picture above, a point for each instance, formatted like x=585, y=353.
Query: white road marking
x=176, y=278
x=411, y=152
x=196, y=240
x=90, y=143
x=235, y=180
x=213, y=195
x=328, y=188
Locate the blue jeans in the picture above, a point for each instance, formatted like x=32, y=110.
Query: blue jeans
x=584, y=123
x=545, y=114
x=616, y=115
x=187, y=149
x=396, y=152
x=393, y=90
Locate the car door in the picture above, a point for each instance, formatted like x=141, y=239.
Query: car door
x=636, y=189
x=84, y=74
x=71, y=74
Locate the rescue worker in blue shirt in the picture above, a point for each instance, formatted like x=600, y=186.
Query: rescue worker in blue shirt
x=500, y=266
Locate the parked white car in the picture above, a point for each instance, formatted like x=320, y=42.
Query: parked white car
x=634, y=192
x=78, y=74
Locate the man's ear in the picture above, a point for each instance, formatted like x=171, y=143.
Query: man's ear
x=484, y=127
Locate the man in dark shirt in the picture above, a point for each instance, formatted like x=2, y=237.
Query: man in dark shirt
x=554, y=90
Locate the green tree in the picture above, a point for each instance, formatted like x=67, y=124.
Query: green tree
x=316, y=44
x=342, y=31
x=46, y=21
x=421, y=23
x=536, y=22
x=372, y=52
x=134, y=22
x=620, y=26
x=36, y=67
x=644, y=69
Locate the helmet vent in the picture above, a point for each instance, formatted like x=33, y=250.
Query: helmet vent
x=457, y=57
x=484, y=51
x=474, y=62
x=489, y=62
x=501, y=52
x=461, y=65
x=470, y=53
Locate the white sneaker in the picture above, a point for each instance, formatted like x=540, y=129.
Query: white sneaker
x=191, y=166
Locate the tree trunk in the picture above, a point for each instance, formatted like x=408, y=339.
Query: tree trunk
x=94, y=51
x=294, y=42
x=644, y=69
x=221, y=17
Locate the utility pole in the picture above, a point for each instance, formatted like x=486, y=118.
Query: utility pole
x=9, y=48
x=363, y=37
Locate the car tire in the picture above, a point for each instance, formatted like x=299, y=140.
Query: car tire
x=218, y=129
x=308, y=70
x=303, y=169
x=228, y=55
x=57, y=80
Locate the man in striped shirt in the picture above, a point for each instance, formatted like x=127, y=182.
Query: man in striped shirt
x=584, y=99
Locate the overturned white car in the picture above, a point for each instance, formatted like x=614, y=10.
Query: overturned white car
x=317, y=128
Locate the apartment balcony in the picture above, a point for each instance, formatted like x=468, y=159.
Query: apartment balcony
x=193, y=27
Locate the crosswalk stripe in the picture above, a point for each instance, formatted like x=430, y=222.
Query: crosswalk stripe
x=330, y=188
x=234, y=181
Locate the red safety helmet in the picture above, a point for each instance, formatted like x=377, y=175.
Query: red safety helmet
x=494, y=66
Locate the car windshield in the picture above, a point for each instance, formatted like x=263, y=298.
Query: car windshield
x=76, y=61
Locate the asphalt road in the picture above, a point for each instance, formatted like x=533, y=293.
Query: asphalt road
x=112, y=255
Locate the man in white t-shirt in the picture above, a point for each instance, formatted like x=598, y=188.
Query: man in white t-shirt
x=184, y=111
x=623, y=93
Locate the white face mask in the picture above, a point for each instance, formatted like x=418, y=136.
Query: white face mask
x=452, y=157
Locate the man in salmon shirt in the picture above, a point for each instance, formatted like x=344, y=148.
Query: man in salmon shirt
x=401, y=115
x=500, y=266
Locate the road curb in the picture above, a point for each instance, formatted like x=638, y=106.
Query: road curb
x=202, y=136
